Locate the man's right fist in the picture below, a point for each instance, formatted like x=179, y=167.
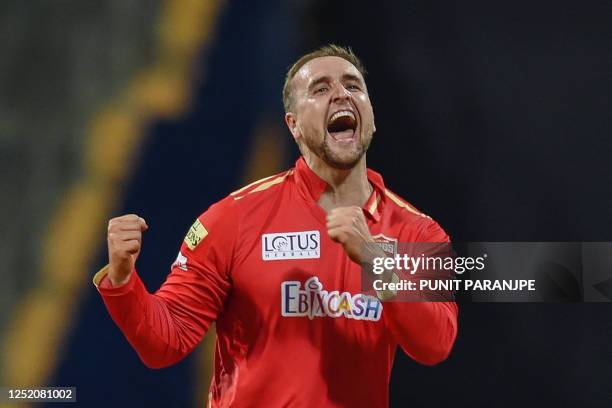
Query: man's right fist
x=124, y=242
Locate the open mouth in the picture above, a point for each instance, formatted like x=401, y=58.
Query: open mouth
x=341, y=125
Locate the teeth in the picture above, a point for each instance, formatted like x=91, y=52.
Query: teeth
x=342, y=113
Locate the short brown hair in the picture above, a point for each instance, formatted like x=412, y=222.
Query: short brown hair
x=330, y=50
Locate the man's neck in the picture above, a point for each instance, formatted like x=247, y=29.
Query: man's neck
x=344, y=187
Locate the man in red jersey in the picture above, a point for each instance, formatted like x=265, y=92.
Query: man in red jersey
x=277, y=266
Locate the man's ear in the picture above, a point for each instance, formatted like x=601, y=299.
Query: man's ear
x=291, y=121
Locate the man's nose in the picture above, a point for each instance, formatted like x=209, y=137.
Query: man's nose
x=340, y=93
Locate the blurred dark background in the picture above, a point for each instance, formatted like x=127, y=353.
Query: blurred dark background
x=492, y=117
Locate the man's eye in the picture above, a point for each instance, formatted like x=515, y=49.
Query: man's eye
x=321, y=90
x=352, y=87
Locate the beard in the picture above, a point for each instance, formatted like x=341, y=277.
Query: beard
x=344, y=160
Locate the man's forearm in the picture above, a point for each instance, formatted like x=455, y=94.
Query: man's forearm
x=425, y=330
x=147, y=322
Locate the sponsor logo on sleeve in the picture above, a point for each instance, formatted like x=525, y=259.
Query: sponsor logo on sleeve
x=180, y=262
x=291, y=245
x=195, y=235
x=311, y=300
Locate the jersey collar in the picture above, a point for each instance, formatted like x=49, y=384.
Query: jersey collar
x=312, y=186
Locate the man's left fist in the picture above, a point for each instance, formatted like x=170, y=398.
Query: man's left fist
x=348, y=226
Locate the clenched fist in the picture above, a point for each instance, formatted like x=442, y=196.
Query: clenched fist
x=348, y=226
x=124, y=243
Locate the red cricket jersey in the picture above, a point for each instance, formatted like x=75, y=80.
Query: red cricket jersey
x=293, y=326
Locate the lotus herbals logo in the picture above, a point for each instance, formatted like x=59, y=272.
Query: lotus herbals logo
x=291, y=245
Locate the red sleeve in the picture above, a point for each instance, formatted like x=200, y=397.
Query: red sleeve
x=426, y=331
x=165, y=326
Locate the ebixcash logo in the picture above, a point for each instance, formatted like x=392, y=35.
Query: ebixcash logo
x=311, y=300
x=291, y=245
